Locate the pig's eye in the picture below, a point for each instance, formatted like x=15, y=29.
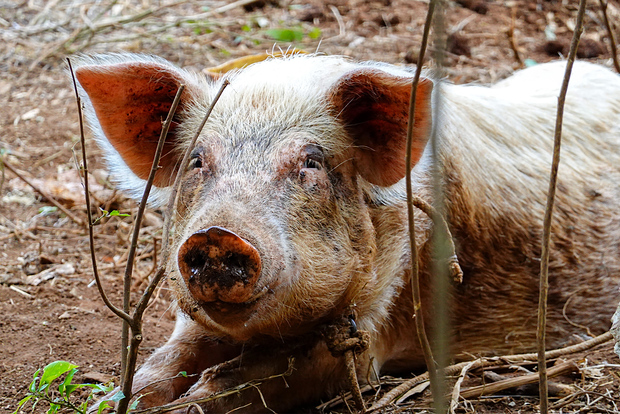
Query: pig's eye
x=310, y=163
x=194, y=163
x=195, y=160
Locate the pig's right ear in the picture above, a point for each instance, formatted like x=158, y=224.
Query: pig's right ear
x=373, y=105
x=126, y=103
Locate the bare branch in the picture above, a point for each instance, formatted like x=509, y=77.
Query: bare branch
x=91, y=235
x=43, y=193
x=612, y=37
x=141, y=306
x=544, y=260
x=415, y=268
x=130, y=355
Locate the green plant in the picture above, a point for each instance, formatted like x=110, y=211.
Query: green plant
x=40, y=389
x=106, y=214
x=294, y=34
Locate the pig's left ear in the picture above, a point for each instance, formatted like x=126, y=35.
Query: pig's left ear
x=374, y=107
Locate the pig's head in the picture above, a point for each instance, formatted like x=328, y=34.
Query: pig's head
x=274, y=231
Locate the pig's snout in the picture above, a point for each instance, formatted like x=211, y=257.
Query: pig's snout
x=218, y=265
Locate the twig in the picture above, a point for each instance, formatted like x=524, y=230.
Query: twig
x=141, y=306
x=43, y=193
x=488, y=389
x=544, y=261
x=355, y=388
x=453, y=262
x=130, y=355
x=341, y=26
x=490, y=362
x=415, y=267
x=21, y=292
x=612, y=37
x=197, y=407
x=511, y=38
x=456, y=391
x=143, y=302
x=91, y=235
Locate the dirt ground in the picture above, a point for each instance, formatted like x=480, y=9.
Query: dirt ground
x=58, y=314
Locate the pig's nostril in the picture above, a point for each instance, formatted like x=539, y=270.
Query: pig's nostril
x=219, y=265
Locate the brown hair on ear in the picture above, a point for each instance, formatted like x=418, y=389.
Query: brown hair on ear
x=131, y=100
x=374, y=108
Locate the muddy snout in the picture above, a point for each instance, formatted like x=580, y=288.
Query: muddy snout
x=218, y=265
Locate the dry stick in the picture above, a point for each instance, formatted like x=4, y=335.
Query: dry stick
x=512, y=40
x=43, y=193
x=415, y=268
x=544, y=262
x=490, y=362
x=488, y=389
x=91, y=235
x=141, y=306
x=136, y=229
x=612, y=37
x=136, y=325
x=129, y=354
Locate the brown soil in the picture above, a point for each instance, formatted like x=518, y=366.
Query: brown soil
x=63, y=317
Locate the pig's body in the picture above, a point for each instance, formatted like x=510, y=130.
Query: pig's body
x=297, y=176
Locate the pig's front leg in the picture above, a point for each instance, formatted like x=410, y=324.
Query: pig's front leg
x=316, y=374
x=189, y=350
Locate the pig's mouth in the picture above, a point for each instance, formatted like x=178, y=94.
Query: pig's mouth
x=227, y=313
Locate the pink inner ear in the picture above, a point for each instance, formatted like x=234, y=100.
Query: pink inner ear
x=131, y=101
x=374, y=107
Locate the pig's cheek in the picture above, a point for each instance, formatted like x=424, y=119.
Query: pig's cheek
x=190, y=189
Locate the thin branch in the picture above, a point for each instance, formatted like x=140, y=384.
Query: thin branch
x=415, y=268
x=544, y=262
x=612, y=37
x=91, y=235
x=130, y=355
x=43, y=193
x=488, y=389
x=141, y=306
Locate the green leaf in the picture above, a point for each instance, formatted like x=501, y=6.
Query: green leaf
x=183, y=374
x=102, y=406
x=46, y=210
x=63, y=388
x=33, y=385
x=246, y=28
x=53, y=371
x=285, y=35
x=117, y=397
x=22, y=402
x=315, y=33
x=134, y=404
x=53, y=408
x=115, y=213
x=97, y=388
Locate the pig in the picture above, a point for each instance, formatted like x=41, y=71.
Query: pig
x=292, y=214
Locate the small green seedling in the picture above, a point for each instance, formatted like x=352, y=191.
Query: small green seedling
x=40, y=389
x=106, y=214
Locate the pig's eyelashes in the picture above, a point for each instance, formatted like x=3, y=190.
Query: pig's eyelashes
x=310, y=163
